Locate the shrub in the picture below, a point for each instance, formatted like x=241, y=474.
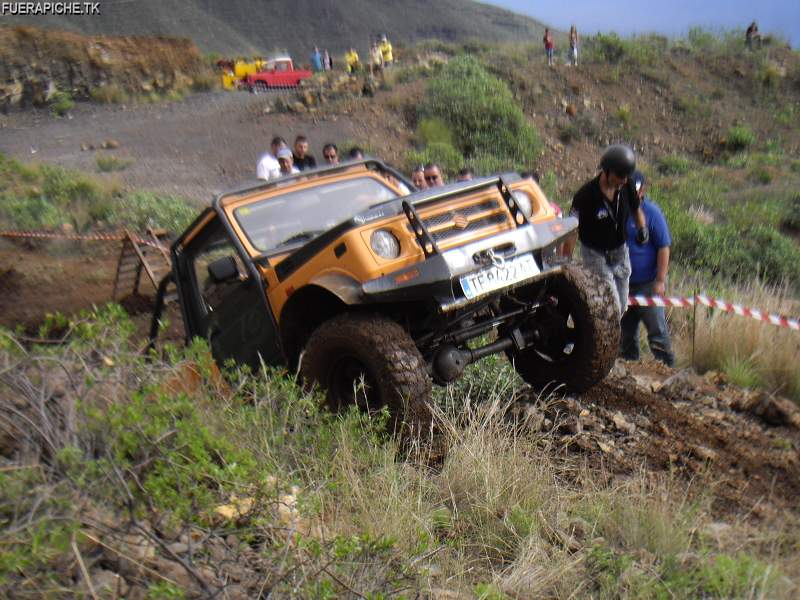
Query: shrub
x=481, y=113
x=108, y=94
x=674, y=164
x=568, y=133
x=140, y=210
x=761, y=175
x=107, y=163
x=434, y=131
x=61, y=103
x=791, y=218
x=448, y=158
x=624, y=115
x=739, y=137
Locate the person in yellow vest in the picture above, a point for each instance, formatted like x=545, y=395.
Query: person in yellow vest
x=386, y=51
x=351, y=60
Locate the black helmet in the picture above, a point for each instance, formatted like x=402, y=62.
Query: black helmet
x=619, y=159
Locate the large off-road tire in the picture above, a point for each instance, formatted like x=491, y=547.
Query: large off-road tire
x=260, y=87
x=579, y=336
x=350, y=346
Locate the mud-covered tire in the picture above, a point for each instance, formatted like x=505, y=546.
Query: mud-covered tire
x=340, y=349
x=591, y=344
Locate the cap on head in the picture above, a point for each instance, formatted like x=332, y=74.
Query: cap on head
x=284, y=153
x=619, y=159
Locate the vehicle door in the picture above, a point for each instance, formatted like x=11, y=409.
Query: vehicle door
x=223, y=298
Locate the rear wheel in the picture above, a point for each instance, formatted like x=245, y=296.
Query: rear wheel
x=578, y=334
x=370, y=361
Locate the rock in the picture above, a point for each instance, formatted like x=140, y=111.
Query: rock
x=770, y=409
x=139, y=549
x=298, y=107
x=622, y=424
x=587, y=103
x=717, y=530
x=706, y=454
x=174, y=572
x=178, y=548
x=642, y=422
x=571, y=110
x=607, y=446
x=107, y=584
x=619, y=370
x=110, y=144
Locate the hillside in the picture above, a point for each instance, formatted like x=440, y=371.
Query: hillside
x=254, y=26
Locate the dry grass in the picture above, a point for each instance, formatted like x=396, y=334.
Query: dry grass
x=751, y=352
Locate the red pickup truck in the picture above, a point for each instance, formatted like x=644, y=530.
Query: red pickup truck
x=278, y=73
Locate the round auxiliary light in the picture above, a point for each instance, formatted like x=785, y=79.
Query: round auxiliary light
x=384, y=244
x=523, y=201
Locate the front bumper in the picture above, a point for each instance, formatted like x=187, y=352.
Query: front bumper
x=437, y=277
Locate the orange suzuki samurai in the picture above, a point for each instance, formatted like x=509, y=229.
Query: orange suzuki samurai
x=374, y=290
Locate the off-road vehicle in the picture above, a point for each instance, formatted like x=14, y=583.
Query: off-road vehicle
x=374, y=290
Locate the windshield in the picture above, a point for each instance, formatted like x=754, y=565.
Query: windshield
x=281, y=220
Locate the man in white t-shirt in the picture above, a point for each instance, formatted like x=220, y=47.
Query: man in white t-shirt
x=267, y=166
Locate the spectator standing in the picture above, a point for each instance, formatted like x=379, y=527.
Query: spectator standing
x=418, y=178
x=376, y=58
x=267, y=166
x=352, y=61
x=316, y=60
x=356, y=153
x=327, y=61
x=386, y=51
x=330, y=154
x=466, y=174
x=602, y=207
x=752, y=35
x=573, y=46
x=302, y=159
x=433, y=175
x=549, y=46
x=285, y=161
x=649, y=265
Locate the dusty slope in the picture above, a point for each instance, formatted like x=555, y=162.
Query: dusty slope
x=246, y=26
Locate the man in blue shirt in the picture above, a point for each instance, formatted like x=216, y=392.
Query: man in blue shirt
x=649, y=265
x=316, y=60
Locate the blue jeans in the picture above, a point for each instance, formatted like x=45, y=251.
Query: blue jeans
x=655, y=321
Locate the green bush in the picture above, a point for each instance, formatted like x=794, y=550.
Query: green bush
x=674, y=164
x=47, y=197
x=106, y=163
x=61, y=103
x=481, y=113
x=791, y=218
x=448, y=158
x=739, y=137
x=434, y=131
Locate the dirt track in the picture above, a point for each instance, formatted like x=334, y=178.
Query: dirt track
x=192, y=148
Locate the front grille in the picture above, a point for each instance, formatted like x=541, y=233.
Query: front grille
x=477, y=225
x=442, y=225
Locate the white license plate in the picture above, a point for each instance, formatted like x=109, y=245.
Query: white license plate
x=496, y=277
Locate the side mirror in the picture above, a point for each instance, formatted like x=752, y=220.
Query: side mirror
x=223, y=269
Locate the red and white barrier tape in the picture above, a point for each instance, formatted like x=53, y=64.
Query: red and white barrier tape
x=701, y=299
x=86, y=237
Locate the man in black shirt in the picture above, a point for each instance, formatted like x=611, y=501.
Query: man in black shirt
x=602, y=207
x=302, y=159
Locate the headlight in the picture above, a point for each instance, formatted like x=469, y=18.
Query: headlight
x=523, y=201
x=384, y=244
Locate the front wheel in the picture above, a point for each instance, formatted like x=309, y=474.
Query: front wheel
x=370, y=361
x=577, y=334
x=260, y=87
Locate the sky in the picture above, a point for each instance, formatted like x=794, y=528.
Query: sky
x=667, y=17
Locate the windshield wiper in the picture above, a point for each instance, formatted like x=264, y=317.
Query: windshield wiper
x=303, y=235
